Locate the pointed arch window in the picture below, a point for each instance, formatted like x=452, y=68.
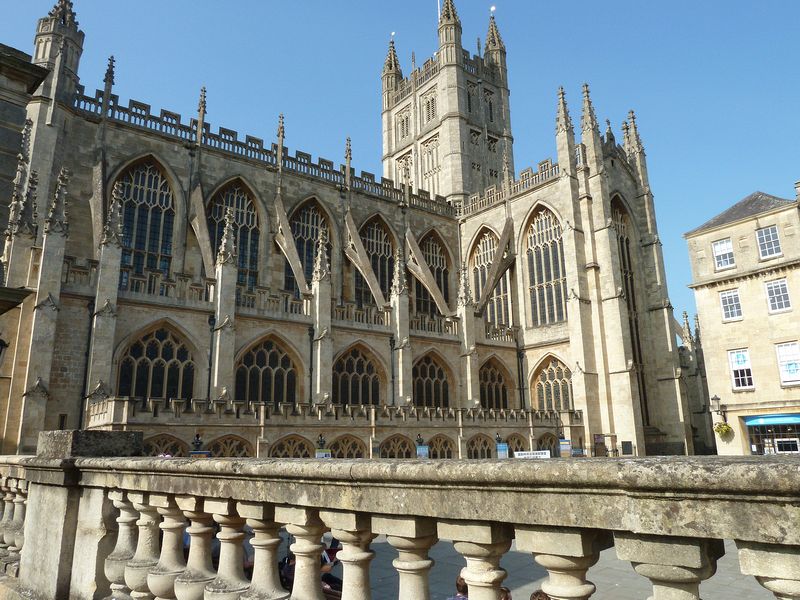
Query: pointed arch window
x=497, y=309
x=493, y=386
x=245, y=220
x=480, y=446
x=435, y=256
x=431, y=385
x=306, y=222
x=356, y=379
x=148, y=217
x=378, y=243
x=553, y=386
x=546, y=271
x=266, y=373
x=157, y=365
x=621, y=222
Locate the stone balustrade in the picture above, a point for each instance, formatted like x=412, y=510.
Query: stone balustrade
x=91, y=529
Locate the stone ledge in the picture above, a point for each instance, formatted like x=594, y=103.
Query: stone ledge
x=81, y=442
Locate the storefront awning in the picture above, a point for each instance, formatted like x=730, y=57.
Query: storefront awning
x=773, y=420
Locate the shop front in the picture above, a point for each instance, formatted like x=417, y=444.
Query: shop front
x=774, y=434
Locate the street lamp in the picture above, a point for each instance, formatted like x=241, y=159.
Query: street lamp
x=718, y=407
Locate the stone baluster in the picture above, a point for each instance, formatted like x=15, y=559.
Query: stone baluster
x=8, y=515
x=482, y=545
x=775, y=567
x=266, y=582
x=161, y=578
x=412, y=538
x=566, y=554
x=307, y=528
x=230, y=581
x=190, y=585
x=17, y=529
x=674, y=565
x=146, y=555
x=114, y=567
x=354, y=530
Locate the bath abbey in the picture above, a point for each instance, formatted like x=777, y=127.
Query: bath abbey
x=220, y=291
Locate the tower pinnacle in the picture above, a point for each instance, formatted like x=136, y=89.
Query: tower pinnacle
x=493, y=39
x=563, y=120
x=392, y=64
x=227, y=246
x=64, y=12
x=635, y=140
x=449, y=14
x=56, y=221
x=588, y=118
x=109, y=78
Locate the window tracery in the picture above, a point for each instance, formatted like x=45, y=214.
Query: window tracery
x=546, y=270
x=266, y=373
x=165, y=444
x=553, y=383
x=480, y=446
x=378, y=243
x=434, y=254
x=356, y=379
x=246, y=227
x=292, y=446
x=348, y=446
x=398, y=446
x=494, y=391
x=431, y=385
x=148, y=216
x=440, y=446
x=307, y=223
x=157, y=365
x=497, y=309
x=230, y=446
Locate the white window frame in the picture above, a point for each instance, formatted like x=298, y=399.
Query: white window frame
x=788, y=355
x=739, y=360
x=771, y=244
x=734, y=293
x=723, y=249
x=771, y=286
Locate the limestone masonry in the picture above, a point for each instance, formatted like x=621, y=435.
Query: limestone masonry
x=191, y=282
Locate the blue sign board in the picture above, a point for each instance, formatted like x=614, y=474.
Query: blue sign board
x=502, y=450
x=423, y=451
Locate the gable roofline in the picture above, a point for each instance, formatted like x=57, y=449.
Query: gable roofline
x=757, y=203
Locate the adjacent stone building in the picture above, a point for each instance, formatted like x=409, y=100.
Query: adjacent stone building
x=746, y=273
x=194, y=282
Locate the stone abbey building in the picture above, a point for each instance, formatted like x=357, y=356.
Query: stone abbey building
x=187, y=281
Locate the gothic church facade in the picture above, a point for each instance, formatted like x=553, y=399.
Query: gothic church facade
x=186, y=281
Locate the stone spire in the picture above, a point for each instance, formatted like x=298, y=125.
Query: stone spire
x=392, y=64
x=399, y=283
x=493, y=39
x=109, y=78
x=635, y=140
x=588, y=118
x=563, y=120
x=112, y=231
x=697, y=328
x=25, y=146
x=22, y=210
x=322, y=269
x=56, y=221
x=687, y=330
x=610, y=139
x=227, y=246
x=449, y=14
x=348, y=159
x=201, y=115
x=64, y=12
x=464, y=294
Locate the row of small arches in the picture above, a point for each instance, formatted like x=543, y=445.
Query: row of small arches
x=161, y=364
x=440, y=446
x=149, y=214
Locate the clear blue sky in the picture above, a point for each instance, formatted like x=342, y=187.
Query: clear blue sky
x=715, y=83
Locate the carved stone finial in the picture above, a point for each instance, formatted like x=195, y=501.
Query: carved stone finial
x=281, y=129
x=464, y=294
x=392, y=63
x=687, y=330
x=399, y=283
x=610, y=139
x=563, y=120
x=697, y=328
x=493, y=39
x=201, y=105
x=322, y=269
x=448, y=14
x=588, y=118
x=64, y=12
x=227, y=246
x=109, y=78
x=112, y=230
x=635, y=140
x=25, y=146
x=22, y=219
x=56, y=221
x=348, y=151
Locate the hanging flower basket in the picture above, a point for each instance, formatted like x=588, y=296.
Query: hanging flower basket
x=723, y=429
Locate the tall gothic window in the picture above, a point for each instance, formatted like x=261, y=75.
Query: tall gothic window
x=157, y=365
x=245, y=221
x=148, y=215
x=494, y=389
x=356, y=379
x=431, y=387
x=497, y=310
x=553, y=386
x=624, y=229
x=378, y=243
x=548, y=280
x=306, y=222
x=265, y=373
x=435, y=256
